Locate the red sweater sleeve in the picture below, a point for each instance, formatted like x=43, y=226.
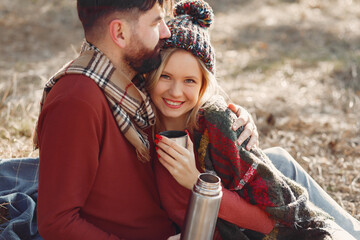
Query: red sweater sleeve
x=237, y=210
x=67, y=170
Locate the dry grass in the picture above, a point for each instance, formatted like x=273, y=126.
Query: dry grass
x=293, y=64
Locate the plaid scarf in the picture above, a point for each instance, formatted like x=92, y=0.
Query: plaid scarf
x=128, y=102
x=253, y=176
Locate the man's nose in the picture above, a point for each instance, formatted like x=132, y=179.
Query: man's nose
x=164, y=30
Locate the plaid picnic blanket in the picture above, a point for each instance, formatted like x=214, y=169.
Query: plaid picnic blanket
x=18, y=190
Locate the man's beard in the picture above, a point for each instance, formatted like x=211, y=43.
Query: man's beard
x=143, y=60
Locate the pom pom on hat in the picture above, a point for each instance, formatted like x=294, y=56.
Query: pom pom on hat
x=189, y=30
x=200, y=12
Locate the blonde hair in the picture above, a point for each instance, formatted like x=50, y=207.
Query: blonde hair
x=209, y=85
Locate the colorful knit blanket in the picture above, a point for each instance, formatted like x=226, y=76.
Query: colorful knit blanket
x=253, y=176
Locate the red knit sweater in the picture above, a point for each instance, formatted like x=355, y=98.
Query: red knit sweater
x=91, y=185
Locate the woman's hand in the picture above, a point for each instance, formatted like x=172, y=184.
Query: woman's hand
x=179, y=161
x=250, y=130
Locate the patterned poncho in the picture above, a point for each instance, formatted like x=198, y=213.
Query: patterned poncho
x=253, y=176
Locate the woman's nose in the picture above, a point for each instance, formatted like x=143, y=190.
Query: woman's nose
x=175, y=90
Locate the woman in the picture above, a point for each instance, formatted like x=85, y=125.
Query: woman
x=181, y=91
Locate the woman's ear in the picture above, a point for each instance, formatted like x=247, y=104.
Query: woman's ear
x=117, y=31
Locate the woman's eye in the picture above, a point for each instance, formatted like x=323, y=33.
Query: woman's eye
x=164, y=76
x=190, y=81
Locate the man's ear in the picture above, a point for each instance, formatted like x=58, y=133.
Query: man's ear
x=118, y=33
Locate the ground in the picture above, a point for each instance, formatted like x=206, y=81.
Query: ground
x=294, y=64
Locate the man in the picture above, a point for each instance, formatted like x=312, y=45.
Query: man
x=93, y=128
x=91, y=185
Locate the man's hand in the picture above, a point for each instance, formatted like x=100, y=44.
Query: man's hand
x=250, y=130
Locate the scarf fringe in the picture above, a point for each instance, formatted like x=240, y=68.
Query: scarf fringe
x=143, y=155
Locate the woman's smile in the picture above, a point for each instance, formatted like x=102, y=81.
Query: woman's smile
x=173, y=103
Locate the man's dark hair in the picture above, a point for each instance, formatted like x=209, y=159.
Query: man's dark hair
x=90, y=11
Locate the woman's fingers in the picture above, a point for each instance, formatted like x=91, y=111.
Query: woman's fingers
x=171, y=147
x=171, y=159
x=167, y=162
x=179, y=161
x=164, y=157
x=174, y=166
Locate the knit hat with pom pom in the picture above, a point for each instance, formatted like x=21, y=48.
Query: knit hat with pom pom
x=189, y=30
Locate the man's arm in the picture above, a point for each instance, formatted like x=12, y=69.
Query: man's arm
x=69, y=148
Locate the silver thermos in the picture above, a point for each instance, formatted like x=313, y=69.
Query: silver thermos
x=203, y=208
